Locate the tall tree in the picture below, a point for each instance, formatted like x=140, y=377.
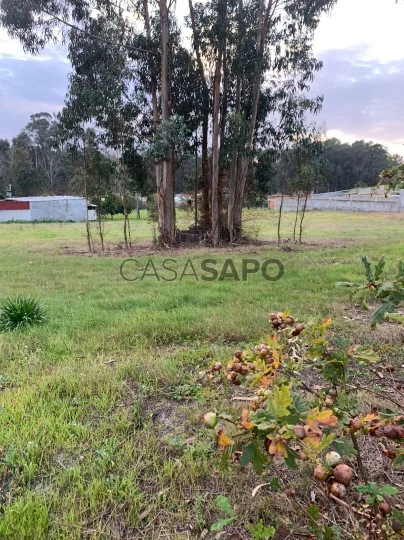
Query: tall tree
x=5, y=165
x=41, y=131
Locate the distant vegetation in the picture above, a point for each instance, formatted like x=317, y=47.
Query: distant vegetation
x=36, y=162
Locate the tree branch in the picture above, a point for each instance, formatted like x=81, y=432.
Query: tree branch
x=89, y=34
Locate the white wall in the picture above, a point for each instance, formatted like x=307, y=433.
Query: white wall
x=92, y=215
x=59, y=210
x=15, y=215
x=352, y=203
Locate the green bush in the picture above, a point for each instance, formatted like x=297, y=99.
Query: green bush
x=19, y=312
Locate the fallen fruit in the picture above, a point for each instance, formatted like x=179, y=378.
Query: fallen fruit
x=300, y=432
x=338, y=490
x=210, y=420
x=272, y=316
x=290, y=320
x=343, y=474
x=390, y=432
x=355, y=424
x=321, y=473
x=397, y=526
x=303, y=456
x=289, y=492
x=332, y=459
x=385, y=508
x=299, y=327
x=217, y=366
x=238, y=354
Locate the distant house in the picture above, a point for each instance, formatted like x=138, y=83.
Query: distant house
x=52, y=208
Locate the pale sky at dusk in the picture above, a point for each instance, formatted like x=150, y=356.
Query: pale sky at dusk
x=362, y=80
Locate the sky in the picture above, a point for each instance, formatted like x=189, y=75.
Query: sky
x=360, y=44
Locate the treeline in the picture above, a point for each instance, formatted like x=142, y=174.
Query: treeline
x=334, y=166
x=238, y=86
x=39, y=162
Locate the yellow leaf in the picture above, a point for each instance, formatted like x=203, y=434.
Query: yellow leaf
x=312, y=441
x=266, y=381
x=369, y=417
x=277, y=448
x=321, y=418
x=245, y=424
x=223, y=440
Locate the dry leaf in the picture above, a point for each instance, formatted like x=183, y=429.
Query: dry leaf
x=245, y=424
x=223, y=440
x=257, y=488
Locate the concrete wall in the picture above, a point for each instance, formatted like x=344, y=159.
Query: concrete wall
x=15, y=215
x=346, y=203
x=59, y=210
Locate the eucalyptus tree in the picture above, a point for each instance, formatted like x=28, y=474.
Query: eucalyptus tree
x=264, y=51
x=100, y=29
x=41, y=130
x=251, y=58
x=5, y=166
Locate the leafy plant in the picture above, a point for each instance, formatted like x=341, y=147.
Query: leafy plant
x=19, y=313
x=289, y=421
x=395, y=176
x=390, y=293
x=184, y=392
x=320, y=532
x=259, y=531
x=224, y=505
x=376, y=493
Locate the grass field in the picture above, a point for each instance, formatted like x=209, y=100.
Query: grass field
x=100, y=412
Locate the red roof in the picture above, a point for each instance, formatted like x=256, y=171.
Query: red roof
x=10, y=204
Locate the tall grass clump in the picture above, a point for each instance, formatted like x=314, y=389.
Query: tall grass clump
x=18, y=313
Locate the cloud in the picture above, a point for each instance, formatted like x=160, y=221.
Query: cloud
x=373, y=25
x=362, y=98
x=28, y=86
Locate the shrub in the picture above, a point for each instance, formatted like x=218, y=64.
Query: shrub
x=291, y=420
x=20, y=312
x=389, y=293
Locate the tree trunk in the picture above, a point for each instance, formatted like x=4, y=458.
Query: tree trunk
x=206, y=181
x=303, y=216
x=223, y=119
x=88, y=228
x=296, y=216
x=234, y=165
x=263, y=22
x=280, y=219
x=206, y=178
x=221, y=17
x=165, y=188
x=215, y=150
x=153, y=85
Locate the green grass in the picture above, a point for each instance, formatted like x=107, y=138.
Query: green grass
x=94, y=440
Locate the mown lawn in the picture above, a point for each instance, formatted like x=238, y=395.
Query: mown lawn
x=100, y=409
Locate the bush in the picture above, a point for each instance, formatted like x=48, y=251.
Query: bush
x=19, y=312
x=292, y=422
